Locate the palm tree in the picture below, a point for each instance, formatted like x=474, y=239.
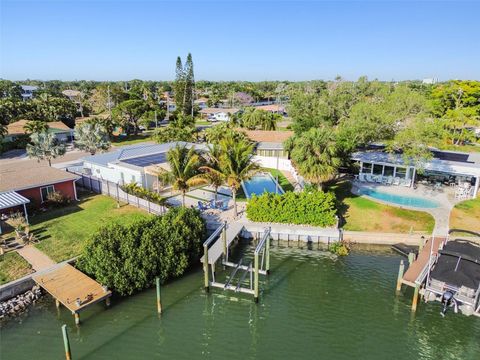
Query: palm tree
x=236, y=164
x=251, y=118
x=45, y=146
x=184, y=164
x=211, y=173
x=35, y=126
x=316, y=155
x=91, y=137
x=269, y=121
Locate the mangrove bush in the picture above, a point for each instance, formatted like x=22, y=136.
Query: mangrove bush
x=127, y=258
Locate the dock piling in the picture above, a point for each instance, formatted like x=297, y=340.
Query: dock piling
x=415, y=298
x=77, y=318
x=401, y=270
x=159, y=302
x=256, y=276
x=411, y=258
x=267, y=255
x=66, y=343
x=205, y=267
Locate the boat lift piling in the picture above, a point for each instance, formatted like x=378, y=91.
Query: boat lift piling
x=217, y=246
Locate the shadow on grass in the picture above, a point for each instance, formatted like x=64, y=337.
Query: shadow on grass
x=342, y=190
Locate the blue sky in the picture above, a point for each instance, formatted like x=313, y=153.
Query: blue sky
x=268, y=40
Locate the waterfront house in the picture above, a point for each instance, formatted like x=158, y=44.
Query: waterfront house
x=35, y=183
x=446, y=168
x=136, y=163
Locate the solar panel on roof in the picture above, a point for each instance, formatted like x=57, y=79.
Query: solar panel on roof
x=147, y=160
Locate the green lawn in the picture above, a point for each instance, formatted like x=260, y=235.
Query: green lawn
x=203, y=122
x=13, y=266
x=62, y=232
x=466, y=215
x=282, y=180
x=361, y=214
x=131, y=139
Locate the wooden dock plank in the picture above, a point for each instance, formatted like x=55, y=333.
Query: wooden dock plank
x=66, y=284
x=415, y=269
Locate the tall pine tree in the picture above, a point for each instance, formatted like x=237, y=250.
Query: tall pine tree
x=189, y=86
x=179, y=86
x=184, y=86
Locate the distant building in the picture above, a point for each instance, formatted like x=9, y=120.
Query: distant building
x=62, y=132
x=201, y=103
x=273, y=108
x=28, y=91
x=430, y=81
x=218, y=114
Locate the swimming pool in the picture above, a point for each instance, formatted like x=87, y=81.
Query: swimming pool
x=411, y=201
x=261, y=183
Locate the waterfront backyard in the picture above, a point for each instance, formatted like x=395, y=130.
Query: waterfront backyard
x=313, y=305
x=61, y=232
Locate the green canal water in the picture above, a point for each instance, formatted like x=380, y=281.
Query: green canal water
x=314, y=306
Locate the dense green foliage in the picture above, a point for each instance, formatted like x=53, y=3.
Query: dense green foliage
x=127, y=258
x=316, y=208
x=141, y=192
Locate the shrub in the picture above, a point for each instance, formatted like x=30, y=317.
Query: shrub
x=340, y=248
x=141, y=192
x=57, y=199
x=127, y=258
x=308, y=207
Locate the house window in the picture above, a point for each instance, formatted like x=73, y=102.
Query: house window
x=44, y=191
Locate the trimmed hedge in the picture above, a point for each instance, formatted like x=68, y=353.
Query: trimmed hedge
x=127, y=258
x=141, y=192
x=313, y=207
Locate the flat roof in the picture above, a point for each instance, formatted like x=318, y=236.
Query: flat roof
x=459, y=163
x=10, y=199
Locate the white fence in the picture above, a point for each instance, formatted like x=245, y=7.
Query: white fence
x=105, y=187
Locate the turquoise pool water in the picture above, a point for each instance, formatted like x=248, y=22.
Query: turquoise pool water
x=261, y=183
x=412, y=201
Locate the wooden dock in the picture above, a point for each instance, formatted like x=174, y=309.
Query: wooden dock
x=72, y=288
x=216, y=250
x=419, y=267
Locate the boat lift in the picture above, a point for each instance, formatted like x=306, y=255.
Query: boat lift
x=217, y=246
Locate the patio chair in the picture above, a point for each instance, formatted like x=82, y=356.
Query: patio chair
x=224, y=205
x=202, y=206
x=369, y=178
x=396, y=181
x=390, y=180
x=407, y=182
x=379, y=179
x=361, y=177
x=384, y=180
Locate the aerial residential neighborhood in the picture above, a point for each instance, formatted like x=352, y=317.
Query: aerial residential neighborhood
x=309, y=189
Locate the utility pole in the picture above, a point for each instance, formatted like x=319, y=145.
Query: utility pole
x=156, y=121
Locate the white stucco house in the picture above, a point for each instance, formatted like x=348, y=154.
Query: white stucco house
x=133, y=163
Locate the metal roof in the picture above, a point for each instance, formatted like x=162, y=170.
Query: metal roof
x=137, y=151
x=10, y=199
